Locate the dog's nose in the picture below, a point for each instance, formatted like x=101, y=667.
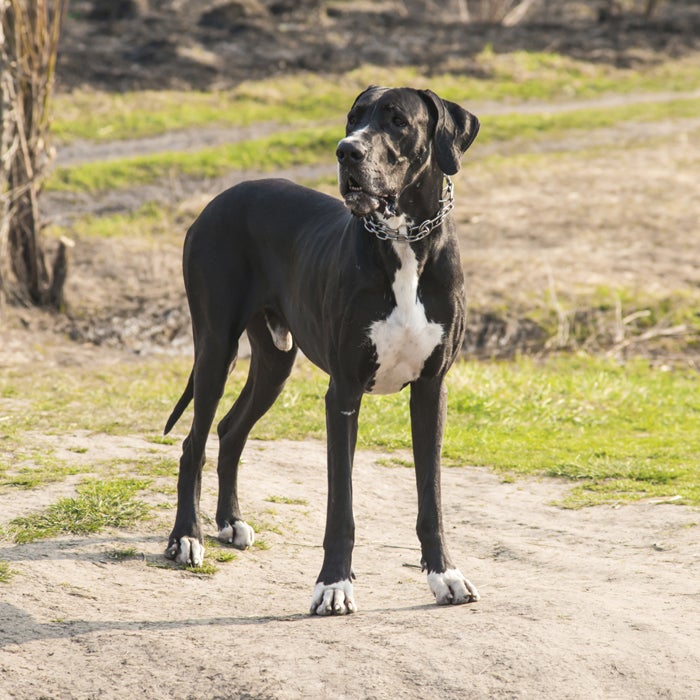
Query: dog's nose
x=350, y=150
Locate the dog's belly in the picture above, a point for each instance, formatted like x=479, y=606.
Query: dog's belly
x=405, y=339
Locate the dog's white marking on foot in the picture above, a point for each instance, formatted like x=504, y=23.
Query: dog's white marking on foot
x=451, y=588
x=405, y=339
x=348, y=413
x=333, y=599
x=240, y=535
x=187, y=551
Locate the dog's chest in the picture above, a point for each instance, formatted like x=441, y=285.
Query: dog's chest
x=405, y=339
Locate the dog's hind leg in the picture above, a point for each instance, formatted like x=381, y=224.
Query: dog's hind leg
x=213, y=358
x=270, y=366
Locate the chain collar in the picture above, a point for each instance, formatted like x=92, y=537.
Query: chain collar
x=411, y=234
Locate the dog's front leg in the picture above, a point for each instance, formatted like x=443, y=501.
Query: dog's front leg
x=333, y=594
x=428, y=410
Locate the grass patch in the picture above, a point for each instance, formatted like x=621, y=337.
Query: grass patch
x=133, y=397
x=621, y=432
x=206, y=569
x=264, y=155
x=153, y=466
x=40, y=473
x=223, y=557
x=6, y=572
x=98, y=505
x=287, y=501
x=161, y=439
x=145, y=222
x=395, y=462
x=123, y=554
x=624, y=432
x=311, y=146
x=303, y=98
x=536, y=126
x=218, y=551
x=260, y=526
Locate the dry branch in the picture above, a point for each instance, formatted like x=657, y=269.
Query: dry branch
x=28, y=48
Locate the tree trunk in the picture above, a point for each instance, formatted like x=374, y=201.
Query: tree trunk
x=463, y=11
x=28, y=46
x=651, y=7
x=517, y=14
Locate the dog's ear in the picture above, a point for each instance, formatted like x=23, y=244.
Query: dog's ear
x=455, y=129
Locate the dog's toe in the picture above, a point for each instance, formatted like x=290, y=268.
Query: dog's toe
x=333, y=599
x=187, y=551
x=452, y=588
x=239, y=534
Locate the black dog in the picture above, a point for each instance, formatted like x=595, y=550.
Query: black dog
x=374, y=296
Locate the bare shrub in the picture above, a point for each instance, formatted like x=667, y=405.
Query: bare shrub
x=29, y=34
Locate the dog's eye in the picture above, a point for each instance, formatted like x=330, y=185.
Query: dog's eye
x=352, y=120
x=399, y=121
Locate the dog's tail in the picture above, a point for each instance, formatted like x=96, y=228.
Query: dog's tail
x=181, y=405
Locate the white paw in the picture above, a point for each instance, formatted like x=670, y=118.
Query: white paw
x=451, y=588
x=240, y=535
x=188, y=551
x=333, y=599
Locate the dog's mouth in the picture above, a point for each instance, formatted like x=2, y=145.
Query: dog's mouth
x=360, y=200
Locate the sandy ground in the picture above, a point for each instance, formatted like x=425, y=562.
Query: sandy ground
x=598, y=603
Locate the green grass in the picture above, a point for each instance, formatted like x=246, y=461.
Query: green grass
x=316, y=145
x=287, y=501
x=265, y=155
x=31, y=467
x=133, y=397
x=535, y=126
x=217, y=551
x=304, y=98
x=123, y=553
x=619, y=432
x=206, y=569
x=6, y=573
x=98, y=505
x=145, y=222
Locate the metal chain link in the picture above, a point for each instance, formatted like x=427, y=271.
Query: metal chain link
x=418, y=231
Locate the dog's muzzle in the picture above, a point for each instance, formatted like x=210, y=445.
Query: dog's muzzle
x=361, y=195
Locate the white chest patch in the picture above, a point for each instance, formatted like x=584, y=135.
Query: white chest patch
x=405, y=339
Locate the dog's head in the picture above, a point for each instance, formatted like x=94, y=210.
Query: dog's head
x=393, y=136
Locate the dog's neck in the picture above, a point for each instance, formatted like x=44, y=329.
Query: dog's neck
x=420, y=200
x=419, y=211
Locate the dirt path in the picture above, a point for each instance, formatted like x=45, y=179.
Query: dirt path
x=196, y=138
x=602, y=603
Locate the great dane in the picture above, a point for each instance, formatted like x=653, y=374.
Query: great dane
x=371, y=291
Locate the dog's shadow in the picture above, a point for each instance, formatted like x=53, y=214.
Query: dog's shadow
x=19, y=627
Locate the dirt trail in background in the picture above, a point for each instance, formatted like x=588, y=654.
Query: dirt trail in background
x=208, y=136
x=603, y=602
